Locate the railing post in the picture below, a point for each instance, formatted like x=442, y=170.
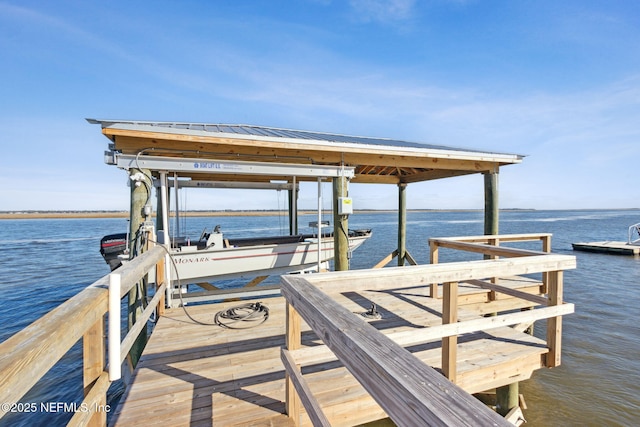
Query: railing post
x=402, y=223
x=546, y=247
x=93, y=355
x=114, y=327
x=293, y=341
x=433, y=259
x=554, y=324
x=450, y=344
x=160, y=279
x=493, y=241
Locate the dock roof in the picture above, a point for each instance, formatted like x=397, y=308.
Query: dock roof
x=376, y=160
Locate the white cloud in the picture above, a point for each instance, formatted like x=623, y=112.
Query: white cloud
x=383, y=11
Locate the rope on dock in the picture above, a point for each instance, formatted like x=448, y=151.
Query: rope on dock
x=245, y=314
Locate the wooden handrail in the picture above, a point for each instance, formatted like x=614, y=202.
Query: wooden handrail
x=421, y=275
x=394, y=377
x=486, y=238
x=29, y=354
x=484, y=248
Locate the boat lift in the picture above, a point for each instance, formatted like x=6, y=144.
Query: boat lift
x=169, y=165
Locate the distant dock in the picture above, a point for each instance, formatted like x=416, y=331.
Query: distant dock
x=614, y=248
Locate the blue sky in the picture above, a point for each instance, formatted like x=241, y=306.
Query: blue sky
x=558, y=81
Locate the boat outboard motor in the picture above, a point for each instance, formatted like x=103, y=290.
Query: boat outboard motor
x=111, y=247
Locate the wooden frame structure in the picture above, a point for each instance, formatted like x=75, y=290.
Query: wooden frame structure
x=351, y=340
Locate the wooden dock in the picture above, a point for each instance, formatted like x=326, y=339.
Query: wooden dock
x=192, y=374
x=608, y=247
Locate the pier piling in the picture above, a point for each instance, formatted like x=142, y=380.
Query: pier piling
x=140, y=196
x=402, y=223
x=340, y=226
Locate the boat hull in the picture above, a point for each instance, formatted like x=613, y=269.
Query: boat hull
x=195, y=266
x=240, y=257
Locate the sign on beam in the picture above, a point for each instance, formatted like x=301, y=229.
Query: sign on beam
x=168, y=164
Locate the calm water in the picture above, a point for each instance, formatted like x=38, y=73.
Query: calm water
x=44, y=262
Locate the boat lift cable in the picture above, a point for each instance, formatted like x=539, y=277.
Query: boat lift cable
x=251, y=312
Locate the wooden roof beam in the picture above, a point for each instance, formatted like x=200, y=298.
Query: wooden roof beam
x=320, y=154
x=435, y=174
x=363, y=170
x=375, y=179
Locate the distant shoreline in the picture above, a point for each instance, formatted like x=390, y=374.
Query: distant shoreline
x=125, y=214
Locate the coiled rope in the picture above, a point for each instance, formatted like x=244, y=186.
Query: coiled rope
x=249, y=315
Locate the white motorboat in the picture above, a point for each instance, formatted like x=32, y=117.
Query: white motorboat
x=213, y=257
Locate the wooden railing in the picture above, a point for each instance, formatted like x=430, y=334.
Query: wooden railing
x=488, y=245
x=396, y=379
x=29, y=354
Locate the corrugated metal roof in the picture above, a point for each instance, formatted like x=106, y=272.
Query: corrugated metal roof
x=276, y=133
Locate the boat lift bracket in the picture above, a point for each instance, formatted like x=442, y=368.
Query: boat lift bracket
x=191, y=165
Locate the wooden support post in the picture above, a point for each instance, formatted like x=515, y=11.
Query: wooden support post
x=293, y=341
x=402, y=223
x=290, y=198
x=340, y=227
x=159, y=281
x=450, y=344
x=293, y=208
x=433, y=259
x=554, y=324
x=93, y=355
x=491, y=212
x=491, y=202
x=140, y=195
x=546, y=247
x=159, y=210
x=507, y=398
